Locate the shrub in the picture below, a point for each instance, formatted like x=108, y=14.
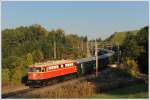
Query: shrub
x=133, y=66
x=5, y=76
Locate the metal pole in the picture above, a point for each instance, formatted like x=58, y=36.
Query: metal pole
x=87, y=46
x=82, y=68
x=78, y=48
x=82, y=44
x=54, y=49
x=96, y=54
x=118, y=53
x=91, y=49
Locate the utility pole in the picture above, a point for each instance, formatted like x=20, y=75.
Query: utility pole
x=96, y=54
x=82, y=44
x=78, y=48
x=118, y=53
x=54, y=49
x=91, y=48
x=87, y=46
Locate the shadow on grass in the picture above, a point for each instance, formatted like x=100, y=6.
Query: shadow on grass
x=136, y=91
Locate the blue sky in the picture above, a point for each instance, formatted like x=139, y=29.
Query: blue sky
x=94, y=19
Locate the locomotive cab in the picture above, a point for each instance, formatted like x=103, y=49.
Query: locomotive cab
x=36, y=73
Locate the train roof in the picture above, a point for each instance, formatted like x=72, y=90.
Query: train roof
x=82, y=60
x=85, y=59
x=110, y=53
x=49, y=63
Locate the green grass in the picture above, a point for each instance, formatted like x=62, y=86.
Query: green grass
x=136, y=91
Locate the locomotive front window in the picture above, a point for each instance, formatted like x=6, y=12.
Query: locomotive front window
x=35, y=69
x=30, y=69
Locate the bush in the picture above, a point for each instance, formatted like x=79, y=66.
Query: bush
x=116, y=73
x=15, y=70
x=132, y=66
x=5, y=76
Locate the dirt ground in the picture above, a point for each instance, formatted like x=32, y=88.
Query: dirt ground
x=6, y=88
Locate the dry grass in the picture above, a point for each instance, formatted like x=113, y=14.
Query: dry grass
x=74, y=90
x=77, y=89
x=6, y=88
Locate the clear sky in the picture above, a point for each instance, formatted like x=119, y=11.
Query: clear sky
x=94, y=19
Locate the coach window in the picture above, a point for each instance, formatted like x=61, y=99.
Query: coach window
x=59, y=66
x=66, y=65
x=47, y=69
x=43, y=69
x=54, y=67
x=62, y=66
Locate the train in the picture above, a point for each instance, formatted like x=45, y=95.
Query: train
x=41, y=73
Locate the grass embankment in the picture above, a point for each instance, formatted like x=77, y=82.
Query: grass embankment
x=136, y=91
x=71, y=90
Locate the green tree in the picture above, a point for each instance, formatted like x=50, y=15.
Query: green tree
x=37, y=56
x=130, y=47
x=29, y=59
x=135, y=47
x=132, y=66
x=142, y=40
x=12, y=63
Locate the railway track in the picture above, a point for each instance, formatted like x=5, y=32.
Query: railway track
x=6, y=95
x=17, y=93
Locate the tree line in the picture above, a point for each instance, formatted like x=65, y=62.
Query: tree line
x=133, y=49
x=26, y=45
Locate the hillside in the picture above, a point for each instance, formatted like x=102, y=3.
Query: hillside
x=118, y=37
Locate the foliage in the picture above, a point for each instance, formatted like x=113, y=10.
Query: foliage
x=29, y=59
x=119, y=37
x=12, y=63
x=142, y=40
x=23, y=40
x=37, y=56
x=5, y=76
x=130, y=47
x=133, y=45
x=132, y=66
x=136, y=48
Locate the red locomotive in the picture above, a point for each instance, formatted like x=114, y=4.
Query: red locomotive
x=50, y=69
